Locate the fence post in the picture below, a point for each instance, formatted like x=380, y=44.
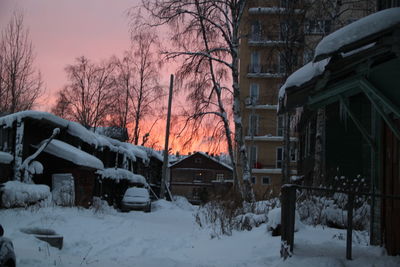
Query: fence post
x=287, y=219
x=349, y=239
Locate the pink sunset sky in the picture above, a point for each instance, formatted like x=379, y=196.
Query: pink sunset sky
x=62, y=30
x=65, y=29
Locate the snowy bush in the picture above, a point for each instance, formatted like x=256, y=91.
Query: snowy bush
x=248, y=221
x=17, y=194
x=332, y=211
x=222, y=217
x=100, y=206
x=219, y=216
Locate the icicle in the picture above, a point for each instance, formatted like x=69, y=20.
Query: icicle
x=343, y=114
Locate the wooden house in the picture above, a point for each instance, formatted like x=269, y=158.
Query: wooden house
x=200, y=176
x=346, y=109
x=25, y=143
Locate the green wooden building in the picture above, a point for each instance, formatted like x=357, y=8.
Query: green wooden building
x=345, y=106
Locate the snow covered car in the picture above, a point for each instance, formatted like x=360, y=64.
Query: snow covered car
x=136, y=198
x=7, y=255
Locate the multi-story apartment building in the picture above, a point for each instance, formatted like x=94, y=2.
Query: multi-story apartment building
x=277, y=37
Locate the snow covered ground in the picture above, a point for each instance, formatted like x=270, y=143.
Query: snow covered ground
x=169, y=236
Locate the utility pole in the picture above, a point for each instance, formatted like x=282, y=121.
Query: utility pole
x=165, y=162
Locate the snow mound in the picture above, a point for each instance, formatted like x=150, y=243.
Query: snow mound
x=183, y=203
x=5, y=157
x=274, y=219
x=121, y=174
x=17, y=194
x=163, y=204
x=357, y=30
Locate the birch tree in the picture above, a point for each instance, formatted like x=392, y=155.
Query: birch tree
x=138, y=85
x=88, y=96
x=20, y=82
x=205, y=35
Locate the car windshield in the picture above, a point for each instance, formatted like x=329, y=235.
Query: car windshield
x=137, y=192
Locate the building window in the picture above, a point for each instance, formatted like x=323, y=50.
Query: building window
x=220, y=176
x=255, y=31
x=198, y=177
x=254, y=92
x=279, y=128
x=317, y=26
x=252, y=156
x=255, y=66
x=253, y=180
x=266, y=180
x=279, y=157
x=253, y=124
x=197, y=160
x=293, y=154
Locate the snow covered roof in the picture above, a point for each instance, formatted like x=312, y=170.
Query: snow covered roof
x=303, y=75
x=205, y=155
x=5, y=157
x=73, y=128
x=339, y=42
x=357, y=30
x=70, y=153
x=121, y=174
x=77, y=130
x=151, y=152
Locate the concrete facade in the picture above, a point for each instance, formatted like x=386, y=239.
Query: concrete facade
x=278, y=37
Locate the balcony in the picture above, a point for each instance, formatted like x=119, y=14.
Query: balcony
x=264, y=71
x=265, y=39
x=262, y=102
x=260, y=131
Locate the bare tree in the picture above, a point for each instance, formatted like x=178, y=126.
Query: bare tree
x=88, y=96
x=20, y=83
x=206, y=37
x=138, y=84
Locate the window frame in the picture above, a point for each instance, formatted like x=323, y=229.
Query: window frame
x=219, y=177
x=266, y=177
x=250, y=149
x=254, y=88
x=253, y=129
x=255, y=62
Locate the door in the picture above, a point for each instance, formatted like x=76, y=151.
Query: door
x=63, y=189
